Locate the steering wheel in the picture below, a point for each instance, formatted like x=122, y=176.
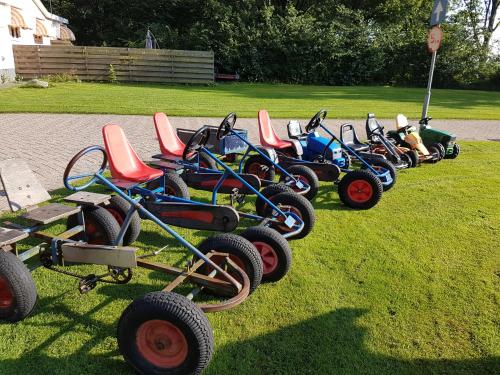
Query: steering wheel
x=425, y=121
x=197, y=141
x=226, y=125
x=316, y=121
x=86, y=151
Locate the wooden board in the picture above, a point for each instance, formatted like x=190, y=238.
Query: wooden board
x=9, y=236
x=20, y=184
x=87, y=198
x=50, y=213
x=96, y=254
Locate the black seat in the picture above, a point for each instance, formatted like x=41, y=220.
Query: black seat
x=349, y=137
x=373, y=128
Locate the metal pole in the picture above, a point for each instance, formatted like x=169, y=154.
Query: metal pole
x=429, y=86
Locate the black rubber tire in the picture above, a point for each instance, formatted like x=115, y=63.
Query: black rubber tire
x=367, y=176
x=405, y=158
x=176, y=310
x=279, y=245
x=436, y=154
x=268, y=192
x=269, y=175
x=174, y=184
x=119, y=207
x=21, y=286
x=442, y=150
x=456, y=152
x=301, y=204
x=101, y=219
x=308, y=175
x=206, y=161
x=413, y=155
x=240, y=248
x=386, y=164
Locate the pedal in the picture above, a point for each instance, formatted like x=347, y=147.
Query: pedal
x=88, y=283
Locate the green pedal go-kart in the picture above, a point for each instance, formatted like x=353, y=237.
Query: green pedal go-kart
x=444, y=141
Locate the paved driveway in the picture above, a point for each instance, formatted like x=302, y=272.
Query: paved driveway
x=48, y=141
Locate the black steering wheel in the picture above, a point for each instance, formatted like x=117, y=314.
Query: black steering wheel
x=425, y=121
x=86, y=151
x=226, y=125
x=197, y=141
x=316, y=121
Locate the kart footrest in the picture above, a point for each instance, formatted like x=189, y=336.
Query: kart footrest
x=208, y=181
x=195, y=216
x=50, y=213
x=87, y=198
x=324, y=171
x=9, y=236
x=117, y=256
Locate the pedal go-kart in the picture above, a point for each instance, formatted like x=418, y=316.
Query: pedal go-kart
x=255, y=162
x=360, y=189
x=164, y=332
x=134, y=177
x=277, y=205
x=407, y=136
x=378, y=143
x=444, y=141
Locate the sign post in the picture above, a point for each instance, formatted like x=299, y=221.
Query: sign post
x=434, y=40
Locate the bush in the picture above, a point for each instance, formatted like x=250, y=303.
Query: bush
x=112, y=74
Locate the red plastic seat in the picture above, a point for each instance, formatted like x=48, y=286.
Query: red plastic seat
x=124, y=163
x=170, y=144
x=268, y=136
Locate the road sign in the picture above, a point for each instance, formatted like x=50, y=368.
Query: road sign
x=434, y=39
x=439, y=12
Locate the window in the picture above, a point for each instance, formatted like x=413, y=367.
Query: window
x=38, y=39
x=15, y=32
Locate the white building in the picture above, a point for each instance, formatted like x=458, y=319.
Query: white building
x=27, y=22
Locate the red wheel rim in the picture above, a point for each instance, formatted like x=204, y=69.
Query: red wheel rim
x=6, y=296
x=162, y=343
x=286, y=209
x=256, y=169
x=116, y=214
x=94, y=233
x=301, y=179
x=360, y=191
x=202, y=164
x=268, y=255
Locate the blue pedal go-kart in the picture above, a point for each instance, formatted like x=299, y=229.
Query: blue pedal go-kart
x=328, y=158
x=257, y=166
x=164, y=332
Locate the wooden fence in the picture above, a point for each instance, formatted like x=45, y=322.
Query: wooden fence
x=130, y=64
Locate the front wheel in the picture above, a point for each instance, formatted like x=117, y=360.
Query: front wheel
x=257, y=165
x=274, y=251
x=101, y=227
x=442, y=150
x=414, y=157
x=455, y=153
x=268, y=192
x=360, y=190
x=380, y=166
x=303, y=174
x=165, y=334
x=174, y=186
x=17, y=289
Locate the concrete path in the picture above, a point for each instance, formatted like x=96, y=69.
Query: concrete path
x=48, y=141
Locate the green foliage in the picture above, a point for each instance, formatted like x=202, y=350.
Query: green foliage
x=60, y=78
x=112, y=74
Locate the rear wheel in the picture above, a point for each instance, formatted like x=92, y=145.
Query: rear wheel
x=257, y=165
x=174, y=186
x=17, y=289
x=413, y=155
x=165, y=333
x=360, y=190
x=379, y=165
x=118, y=207
x=442, y=150
x=268, y=192
x=455, y=153
x=274, y=251
x=205, y=161
x=306, y=175
x=405, y=158
x=101, y=227
x=436, y=154
x=240, y=251
x=300, y=206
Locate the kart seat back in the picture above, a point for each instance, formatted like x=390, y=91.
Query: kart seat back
x=350, y=138
x=268, y=136
x=170, y=144
x=124, y=163
x=373, y=126
x=401, y=121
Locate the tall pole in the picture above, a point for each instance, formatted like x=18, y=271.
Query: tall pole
x=429, y=86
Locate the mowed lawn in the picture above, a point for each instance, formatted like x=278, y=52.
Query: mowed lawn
x=246, y=99
x=409, y=287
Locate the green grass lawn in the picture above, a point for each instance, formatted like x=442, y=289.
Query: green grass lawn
x=411, y=286
x=246, y=99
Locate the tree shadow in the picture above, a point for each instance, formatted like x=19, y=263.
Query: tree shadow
x=330, y=344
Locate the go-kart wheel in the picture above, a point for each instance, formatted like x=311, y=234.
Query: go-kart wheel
x=316, y=121
x=406, y=160
x=101, y=228
x=360, y=190
x=17, y=289
x=274, y=251
x=165, y=333
x=205, y=161
x=415, y=159
x=118, y=207
x=435, y=153
x=174, y=186
x=268, y=192
x=455, y=153
x=442, y=150
x=306, y=175
x=379, y=165
x=297, y=204
x=240, y=250
x=257, y=165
